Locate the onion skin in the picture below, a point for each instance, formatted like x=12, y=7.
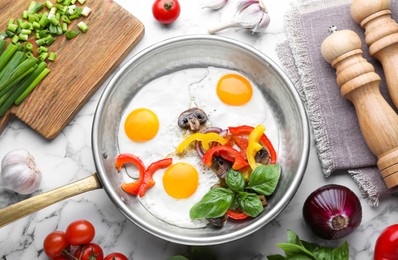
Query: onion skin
x=332, y=211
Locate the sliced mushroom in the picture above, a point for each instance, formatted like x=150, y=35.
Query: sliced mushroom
x=262, y=156
x=217, y=222
x=192, y=119
x=221, y=166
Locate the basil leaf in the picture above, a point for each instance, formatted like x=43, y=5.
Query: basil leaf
x=213, y=205
x=250, y=204
x=295, y=250
x=235, y=180
x=293, y=238
x=264, y=178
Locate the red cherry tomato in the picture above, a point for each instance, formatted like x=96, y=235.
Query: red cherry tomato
x=55, y=243
x=80, y=232
x=90, y=251
x=166, y=11
x=116, y=256
x=386, y=247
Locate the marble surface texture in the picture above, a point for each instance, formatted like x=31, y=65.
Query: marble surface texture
x=68, y=158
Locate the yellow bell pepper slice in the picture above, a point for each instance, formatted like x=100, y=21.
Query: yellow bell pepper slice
x=205, y=138
x=254, y=145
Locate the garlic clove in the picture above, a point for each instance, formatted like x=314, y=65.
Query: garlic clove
x=250, y=14
x=214, y=4
x=19, y=172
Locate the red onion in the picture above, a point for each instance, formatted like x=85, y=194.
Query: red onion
x=198, y=145
x=332, y=211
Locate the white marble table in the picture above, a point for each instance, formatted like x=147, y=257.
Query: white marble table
x=68, y=158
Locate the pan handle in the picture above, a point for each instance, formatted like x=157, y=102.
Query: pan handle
x=33, y=204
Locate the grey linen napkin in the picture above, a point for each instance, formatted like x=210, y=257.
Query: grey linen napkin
x=339, y=142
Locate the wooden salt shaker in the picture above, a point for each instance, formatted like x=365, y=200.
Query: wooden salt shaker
x=360, y=84
x=381, y=36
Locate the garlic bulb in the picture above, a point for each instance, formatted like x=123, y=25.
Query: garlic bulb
x=19, y=172
x=214, y=4
x=250, y=14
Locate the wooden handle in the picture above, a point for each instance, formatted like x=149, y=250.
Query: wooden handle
x=360, y=84
x=33, y=204
x=381, y=36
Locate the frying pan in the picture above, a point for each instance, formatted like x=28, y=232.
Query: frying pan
x=291, y=136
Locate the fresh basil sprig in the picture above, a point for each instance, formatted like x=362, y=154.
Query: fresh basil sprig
x=250, y=203
x=264, y=179
x=213, y=205
x=303, y=250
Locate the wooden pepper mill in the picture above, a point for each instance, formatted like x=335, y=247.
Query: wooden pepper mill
x=360, y=84
x=381, y=36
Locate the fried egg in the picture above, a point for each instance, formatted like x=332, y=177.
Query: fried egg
x=149, y=129
x=229, y=99
x=177, y=189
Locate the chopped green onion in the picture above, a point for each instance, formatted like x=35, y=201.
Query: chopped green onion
x=21, y=87
x=65, y=19
x=64, y=27
x=22, y=37
x=81, y=1
x=36, y=25
x=11, y=21
x=35, y=8
x=32, y=86
x=25, y=14
x=12, y=27
x=26, y=31
x=29, y=46
x=15, y=39
x=48, y=4
x=43, y=56
x=7, y=54
x=71, y=34
x=86, y=11
x=82, y=26
x=42, y=49
x=52, y=56
x=44, y=21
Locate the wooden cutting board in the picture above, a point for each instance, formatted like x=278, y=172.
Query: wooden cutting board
x=82, y=64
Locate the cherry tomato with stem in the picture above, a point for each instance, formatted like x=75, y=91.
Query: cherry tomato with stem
x=55, y=244
x=90, y=251
x=116, y=256
x=80, y=232
x=166, y=11
x=386, y=247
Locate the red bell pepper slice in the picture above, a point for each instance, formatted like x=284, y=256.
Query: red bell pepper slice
x=122, y=159
x=236, y=215
x=148, y=177
x=238, y=161
x=245, y=130
x=242, y=143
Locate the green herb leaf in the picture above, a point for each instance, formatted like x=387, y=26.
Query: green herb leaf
x=293, y=250
x=213, y=205
x=235, y=180
x=250, y=204
x=302, y=250
x=264, y=178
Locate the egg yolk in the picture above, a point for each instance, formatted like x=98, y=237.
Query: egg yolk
x=234, y=90
x=181, y=180
x=141, y=125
